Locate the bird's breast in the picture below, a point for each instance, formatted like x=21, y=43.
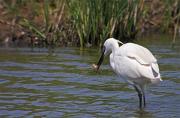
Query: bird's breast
x=112, y=61
x=126, y=68
x=119, y=65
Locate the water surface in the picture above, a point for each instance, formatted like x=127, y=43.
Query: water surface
x=63, y=84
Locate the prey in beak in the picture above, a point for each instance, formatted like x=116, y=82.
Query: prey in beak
x=97, y=66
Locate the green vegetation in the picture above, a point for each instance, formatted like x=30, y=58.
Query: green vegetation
x=86, y=22
x=95, y=20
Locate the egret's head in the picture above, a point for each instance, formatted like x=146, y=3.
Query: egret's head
x=109, y=44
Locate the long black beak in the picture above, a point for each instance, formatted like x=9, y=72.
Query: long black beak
x=101, y=59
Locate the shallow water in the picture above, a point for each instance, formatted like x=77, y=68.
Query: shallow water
x=63, y=84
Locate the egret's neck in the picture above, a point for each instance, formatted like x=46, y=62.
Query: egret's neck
x=114, y=47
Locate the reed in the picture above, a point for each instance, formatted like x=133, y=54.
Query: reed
x=172, y=17
x=95, y=20
x=52, y=16
x=90, y=22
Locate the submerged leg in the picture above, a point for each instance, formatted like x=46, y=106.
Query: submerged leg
x=139, y=95
x=144, y=99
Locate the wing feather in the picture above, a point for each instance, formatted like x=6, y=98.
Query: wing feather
x=139, y=53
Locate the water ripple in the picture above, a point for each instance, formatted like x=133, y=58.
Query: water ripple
x=34, y=84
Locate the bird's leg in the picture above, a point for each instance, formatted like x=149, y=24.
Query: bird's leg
x=144, y=99
x=143, y=93
x=139, y=95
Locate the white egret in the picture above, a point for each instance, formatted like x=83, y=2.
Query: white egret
x=133, y=63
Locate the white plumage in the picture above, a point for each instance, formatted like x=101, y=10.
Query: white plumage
x=133, y=63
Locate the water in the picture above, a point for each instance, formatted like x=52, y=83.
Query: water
x=34, y=83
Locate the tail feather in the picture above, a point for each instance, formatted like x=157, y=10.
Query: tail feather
x=157, y=76
x=155, y=70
